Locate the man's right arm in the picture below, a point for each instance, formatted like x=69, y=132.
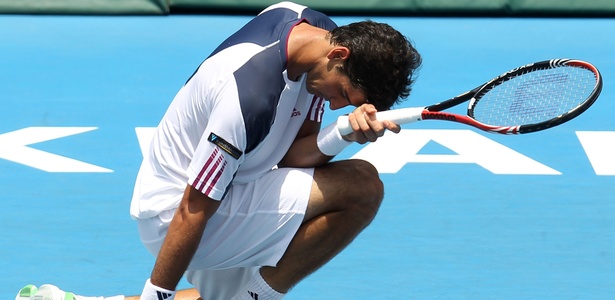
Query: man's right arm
x=183, y=238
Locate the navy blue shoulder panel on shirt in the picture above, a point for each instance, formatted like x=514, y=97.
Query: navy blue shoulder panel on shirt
x=263, y=30
x=259, y=84
x=260, y=80
x=318, y=19
x=273, y=25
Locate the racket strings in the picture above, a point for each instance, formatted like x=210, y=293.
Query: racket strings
x=535, y=97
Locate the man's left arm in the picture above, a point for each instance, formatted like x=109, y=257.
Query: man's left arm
x=307, y=149
x=304, y=152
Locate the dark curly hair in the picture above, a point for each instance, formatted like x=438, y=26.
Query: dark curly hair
x=382, y=62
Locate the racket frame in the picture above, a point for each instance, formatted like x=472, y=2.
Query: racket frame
x=435, y=111
x=479, y=92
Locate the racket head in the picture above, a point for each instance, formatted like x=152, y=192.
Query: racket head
x=537, y=96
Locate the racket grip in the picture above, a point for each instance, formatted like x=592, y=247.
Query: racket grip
x=397, y=116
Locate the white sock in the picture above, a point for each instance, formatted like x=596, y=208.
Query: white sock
x=258, y=289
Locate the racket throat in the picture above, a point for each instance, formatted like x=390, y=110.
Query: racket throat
x=428, y=115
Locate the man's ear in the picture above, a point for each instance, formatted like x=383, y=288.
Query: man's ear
x=339, y=52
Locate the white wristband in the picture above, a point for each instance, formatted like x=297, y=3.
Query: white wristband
x=330, y=141
x=152, y=292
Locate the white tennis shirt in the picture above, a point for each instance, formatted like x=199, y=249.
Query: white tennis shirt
x=234, y=119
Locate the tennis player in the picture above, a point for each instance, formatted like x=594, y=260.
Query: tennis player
x=237, y=191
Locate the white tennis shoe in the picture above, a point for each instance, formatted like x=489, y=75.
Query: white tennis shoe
x=45, y=292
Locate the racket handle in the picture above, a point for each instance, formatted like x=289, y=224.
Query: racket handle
x=397, y=116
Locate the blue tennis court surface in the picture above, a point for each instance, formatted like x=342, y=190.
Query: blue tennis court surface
x=467, y=214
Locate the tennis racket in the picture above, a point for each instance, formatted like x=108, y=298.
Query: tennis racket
x=527, y=99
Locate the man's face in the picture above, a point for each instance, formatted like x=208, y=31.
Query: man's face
x=335, y=87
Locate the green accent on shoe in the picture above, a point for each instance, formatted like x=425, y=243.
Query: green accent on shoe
x=28, y=291
x=25, y=292
x=69, y=296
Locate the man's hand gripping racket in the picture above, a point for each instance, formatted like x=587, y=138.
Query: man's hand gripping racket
x=530, y=98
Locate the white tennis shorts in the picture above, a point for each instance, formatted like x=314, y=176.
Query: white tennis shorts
x=252, y=228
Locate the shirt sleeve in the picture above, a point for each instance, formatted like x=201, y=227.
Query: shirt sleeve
x=220, y=151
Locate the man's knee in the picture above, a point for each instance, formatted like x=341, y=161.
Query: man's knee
x=349, y=185
x=368, y=188
x=366, y=178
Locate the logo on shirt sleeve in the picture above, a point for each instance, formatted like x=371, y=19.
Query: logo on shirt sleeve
x=224, y=145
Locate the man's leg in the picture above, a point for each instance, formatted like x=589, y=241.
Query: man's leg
x=344, y=199
x=51, y=292
x=187, y=294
